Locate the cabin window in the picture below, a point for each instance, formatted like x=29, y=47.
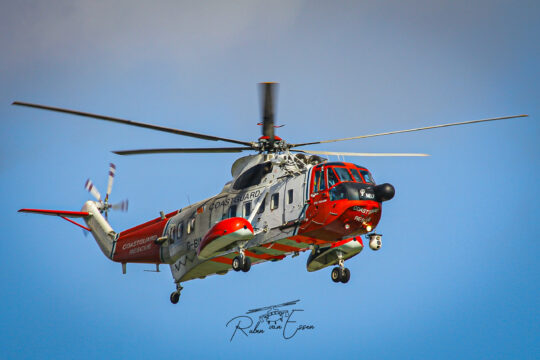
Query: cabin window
x=274, y=201
x=172, y=233
x=343, y=174
x=191, y=225
x=290, y=195
x=367, y=176
x=331, y=176
x=246, y=210
x=263, y=205
x=232, y=211
x=179, y=231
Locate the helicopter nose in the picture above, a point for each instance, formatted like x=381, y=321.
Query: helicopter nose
x=384, y=192
x=362, y=218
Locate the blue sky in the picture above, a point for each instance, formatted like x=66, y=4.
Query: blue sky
x=458, y=272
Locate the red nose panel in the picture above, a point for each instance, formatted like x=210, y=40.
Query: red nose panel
x=338, y=219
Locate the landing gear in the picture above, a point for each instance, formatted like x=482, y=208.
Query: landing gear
x=237, y=264
x=241, y=263
x=336, y=274
x=247, y=264
x=175, y=295
x=345, y=275
x=340, y=273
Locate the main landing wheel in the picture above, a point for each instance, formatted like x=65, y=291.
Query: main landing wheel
x=246, y=265
x=336, y=274
x=175, y=296
x=345, y=275
x=340, y=275
x=237, y=264
x=241, y=263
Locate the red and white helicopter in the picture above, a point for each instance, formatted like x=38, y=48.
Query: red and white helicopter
x=280, y=201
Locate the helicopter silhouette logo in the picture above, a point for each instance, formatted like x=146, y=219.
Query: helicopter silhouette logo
x=273, y=315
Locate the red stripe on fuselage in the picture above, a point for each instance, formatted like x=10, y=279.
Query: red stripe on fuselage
x=264, y=256
x=222, y=259
x=281, y=247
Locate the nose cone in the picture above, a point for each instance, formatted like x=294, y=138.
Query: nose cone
x=384, y=192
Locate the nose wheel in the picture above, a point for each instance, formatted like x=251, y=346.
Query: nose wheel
x=340, y=273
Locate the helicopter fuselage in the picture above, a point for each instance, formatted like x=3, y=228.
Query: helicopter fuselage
x=293, y=202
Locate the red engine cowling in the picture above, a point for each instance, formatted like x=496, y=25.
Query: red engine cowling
x=225, y=235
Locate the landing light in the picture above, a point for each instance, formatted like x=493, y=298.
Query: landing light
x=347, y=226
x=368, y=228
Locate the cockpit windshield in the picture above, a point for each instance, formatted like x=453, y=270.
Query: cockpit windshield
x=367, y=176
x=343, y=174
x=356, y=175
x=333, y=174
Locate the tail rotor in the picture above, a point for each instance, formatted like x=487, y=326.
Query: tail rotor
x=103, y=205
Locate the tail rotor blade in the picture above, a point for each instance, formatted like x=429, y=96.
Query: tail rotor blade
x=89, y=186
x=112, y=170
x=122, y=206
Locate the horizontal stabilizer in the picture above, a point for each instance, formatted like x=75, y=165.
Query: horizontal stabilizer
x=63, y=213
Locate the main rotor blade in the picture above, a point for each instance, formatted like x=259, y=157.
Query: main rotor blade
x=132, y=123
x=410, y=130
x=268, y=90
x=356, y=154
x=182, y=151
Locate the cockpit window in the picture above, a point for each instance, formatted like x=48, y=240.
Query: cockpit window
x=367, y=176
x=356, y=175
x=318, y=181
x=343, y=174
x=331, y=177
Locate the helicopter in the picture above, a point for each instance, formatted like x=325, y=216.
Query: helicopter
x=281, y=201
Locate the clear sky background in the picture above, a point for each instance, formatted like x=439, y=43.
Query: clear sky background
x=458, y=273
